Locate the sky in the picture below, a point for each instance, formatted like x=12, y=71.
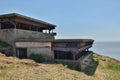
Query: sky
x=81, y=19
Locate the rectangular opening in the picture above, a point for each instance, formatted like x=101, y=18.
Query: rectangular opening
x=22, y=53
x=81, y=54
x=63, y=55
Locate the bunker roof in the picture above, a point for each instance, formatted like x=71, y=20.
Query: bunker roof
x=56, y=40
x=73, y=40
x=11, y=15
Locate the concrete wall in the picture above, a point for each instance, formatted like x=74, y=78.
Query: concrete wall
x=0, y=25
x=83, y=62
x=43, y=48
x=45, y=52
x=86, y=61
x=33, y=44
x=9, y=35
x=25, y=34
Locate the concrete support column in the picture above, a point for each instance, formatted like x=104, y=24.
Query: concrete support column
x=86, y=49
x=13, y=43
x=49, y=31
x=14, y=51
x=73, y=55
x=17, y=52
x=0, y=25
x=15, y=29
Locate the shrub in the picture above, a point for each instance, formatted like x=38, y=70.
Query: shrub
x=37, y=58
x=3, y=44
x=78, y=68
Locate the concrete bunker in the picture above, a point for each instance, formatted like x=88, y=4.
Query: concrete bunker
x=28, y=35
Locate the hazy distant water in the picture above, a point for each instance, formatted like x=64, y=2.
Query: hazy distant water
x=111, y=49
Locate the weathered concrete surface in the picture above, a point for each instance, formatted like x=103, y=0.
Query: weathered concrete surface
x=7, y=35
x=45, y=52
x=0, y=25
x=43, y=48
x=33, y=44
x=83, y=62
x=86, y=60
x=10, y=35
x=25, y=34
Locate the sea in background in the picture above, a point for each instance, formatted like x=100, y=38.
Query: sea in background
x=111, y=49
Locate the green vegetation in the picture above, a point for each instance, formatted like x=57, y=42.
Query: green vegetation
x=114, y=67
x=37, y=58
x=3, y=44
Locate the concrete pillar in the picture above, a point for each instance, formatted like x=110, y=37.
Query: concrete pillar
x=49, y=31
x=17, y=52
x=73, y=55
x=87, y=50
x=13, y=43
x=14, y=48
x=0, y=25
x=15, y=30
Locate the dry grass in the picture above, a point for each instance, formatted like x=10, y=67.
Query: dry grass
x=12, y=68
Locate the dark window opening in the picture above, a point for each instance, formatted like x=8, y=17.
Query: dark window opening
x=7, y=26
x=22, y=26
x=81, y=54
x=63, y=55
x=40, y=29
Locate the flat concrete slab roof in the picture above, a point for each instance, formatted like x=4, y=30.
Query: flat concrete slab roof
x=73, y=40
x=55, y=40
x=25, y=17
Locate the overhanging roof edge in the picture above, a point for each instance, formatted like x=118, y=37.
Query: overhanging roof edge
x=26, y=17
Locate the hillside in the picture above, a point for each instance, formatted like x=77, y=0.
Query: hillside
x=102, y=68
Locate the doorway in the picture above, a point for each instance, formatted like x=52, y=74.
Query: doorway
x=22, y=53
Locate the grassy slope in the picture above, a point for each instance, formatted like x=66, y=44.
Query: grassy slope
x=12, y=68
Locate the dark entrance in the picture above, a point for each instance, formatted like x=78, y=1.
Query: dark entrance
x=63, y=55
x=22, y=53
